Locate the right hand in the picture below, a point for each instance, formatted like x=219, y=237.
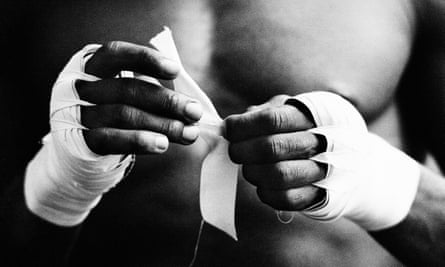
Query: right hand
x=128, y=116
x=132, y=116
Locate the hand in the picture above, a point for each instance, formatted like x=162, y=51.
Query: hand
x=273, y=145
x=131, y=115
x=113, y=116
x=281, y=152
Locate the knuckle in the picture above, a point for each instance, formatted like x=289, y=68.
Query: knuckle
x=298, y=142
x=129, y=91
x=294, y=199
x=273, y=118
x=173, y=128
x=280, y=98
x=147, y=55
x=112, y=47
x=122, y=114
x=305, y=143
x=172, y=102
x=282, y=171
x=137, y=141
x=300, y=172
x=128, y=113
x=303, y=198
x=277, y=146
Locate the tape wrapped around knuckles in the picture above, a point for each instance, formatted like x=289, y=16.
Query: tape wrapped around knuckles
x=65, y=180
x=368, y=181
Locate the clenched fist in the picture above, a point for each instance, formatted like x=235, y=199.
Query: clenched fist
x=273, y=145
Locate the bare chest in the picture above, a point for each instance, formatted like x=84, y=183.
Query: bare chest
x=243, y=53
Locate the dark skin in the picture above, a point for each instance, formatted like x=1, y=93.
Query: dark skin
x=421, y=245
x=124, y=107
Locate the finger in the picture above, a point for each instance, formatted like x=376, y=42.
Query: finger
x=275, y=101
x=116, y=56
x=284, y=174
x=131, y=118
x=146, y=96
x=104, y=141
x=295, y=199
x=278, y=147
x=271, y=120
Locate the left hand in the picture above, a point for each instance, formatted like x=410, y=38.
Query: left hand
x=273, y=145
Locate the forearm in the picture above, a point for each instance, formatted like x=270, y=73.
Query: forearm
x=31, y=241
x=419, y=240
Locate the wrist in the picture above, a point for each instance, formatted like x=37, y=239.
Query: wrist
x=65, y=181
x=368, y=181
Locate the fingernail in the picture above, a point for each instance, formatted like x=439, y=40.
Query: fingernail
x=190, y=133
x=161, y=143
x=193, y=111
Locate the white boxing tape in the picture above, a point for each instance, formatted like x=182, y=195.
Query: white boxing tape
x=217, y=193
x=65, y=180
x=368, y=181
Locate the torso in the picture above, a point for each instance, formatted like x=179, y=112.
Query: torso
x=242, y=53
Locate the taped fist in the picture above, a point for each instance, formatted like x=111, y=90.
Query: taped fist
x=314, y=154
x=107, y=104
x=273, y=145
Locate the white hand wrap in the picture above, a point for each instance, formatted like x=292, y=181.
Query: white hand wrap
x=218, y=184
x=65, y=180
x=368, y=181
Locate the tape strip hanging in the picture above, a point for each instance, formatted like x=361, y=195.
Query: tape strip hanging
x=218, y=174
